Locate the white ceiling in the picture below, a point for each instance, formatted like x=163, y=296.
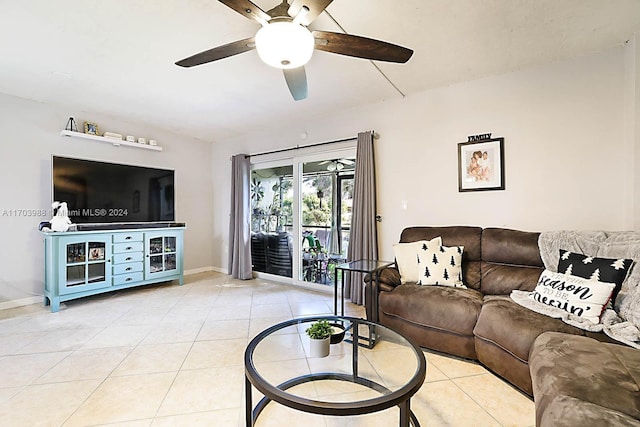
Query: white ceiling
x=117, y=57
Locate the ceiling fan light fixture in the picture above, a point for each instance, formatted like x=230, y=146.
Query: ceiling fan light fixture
x=284, y=44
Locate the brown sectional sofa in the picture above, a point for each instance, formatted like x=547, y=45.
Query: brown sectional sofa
x=482, y=322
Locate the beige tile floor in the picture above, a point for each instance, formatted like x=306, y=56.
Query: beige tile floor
x=171, y=355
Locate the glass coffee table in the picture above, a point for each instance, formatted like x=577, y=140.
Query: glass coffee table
x=352, y=380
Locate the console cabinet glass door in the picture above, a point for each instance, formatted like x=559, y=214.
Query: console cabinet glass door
x=162, y=254
x=87, y=264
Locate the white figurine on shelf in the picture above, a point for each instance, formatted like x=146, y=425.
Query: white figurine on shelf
x=60, y=220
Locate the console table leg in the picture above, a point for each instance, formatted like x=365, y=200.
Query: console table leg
x=55, y=304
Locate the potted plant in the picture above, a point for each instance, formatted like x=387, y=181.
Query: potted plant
x=319, y=336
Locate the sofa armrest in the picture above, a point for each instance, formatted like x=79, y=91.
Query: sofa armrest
x=383, y=280
x=388, y=278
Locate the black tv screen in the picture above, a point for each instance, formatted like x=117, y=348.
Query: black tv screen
x=100, y=192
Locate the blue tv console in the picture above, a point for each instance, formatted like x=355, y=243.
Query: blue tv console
x=106, y=258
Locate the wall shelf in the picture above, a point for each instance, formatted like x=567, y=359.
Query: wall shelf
x=112, y=141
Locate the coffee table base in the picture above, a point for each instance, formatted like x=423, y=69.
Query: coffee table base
x=407, y=416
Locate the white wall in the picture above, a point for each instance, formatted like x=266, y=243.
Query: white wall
x=30, y=135
x=632, y=120
x=566, y=160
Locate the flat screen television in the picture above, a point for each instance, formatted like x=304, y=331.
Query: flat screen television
x=101, y=192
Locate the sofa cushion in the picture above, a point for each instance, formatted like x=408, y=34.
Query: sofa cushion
x=440, y=265
x=513, y=328
x=606, y=375
x=452, y=310
x=469, y=237
x=504, y=334
x=567, y=411
x=506, y=246
x=406, y=255
x=501, y=279
x=510, y=261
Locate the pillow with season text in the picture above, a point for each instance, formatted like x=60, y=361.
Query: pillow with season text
x=407, y=257
x=581, y=297
x=441, y=266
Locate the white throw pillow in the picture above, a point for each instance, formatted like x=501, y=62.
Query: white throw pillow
x=441, y=265
x=407, y=257
x=581, y=297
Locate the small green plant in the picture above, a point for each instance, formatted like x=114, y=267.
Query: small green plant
x=319, y=330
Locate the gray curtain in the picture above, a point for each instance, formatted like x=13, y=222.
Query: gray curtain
x=363, y=238
x=239, y=219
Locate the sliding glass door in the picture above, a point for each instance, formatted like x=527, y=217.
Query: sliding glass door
x=272, y=220
x=301, y=214
x=326, y=216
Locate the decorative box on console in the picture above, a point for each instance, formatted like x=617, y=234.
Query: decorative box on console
x=113, y=135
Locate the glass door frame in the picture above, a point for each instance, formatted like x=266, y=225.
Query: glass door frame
x=339, y=180
x=297, y=162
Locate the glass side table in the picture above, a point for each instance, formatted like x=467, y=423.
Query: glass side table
x=351, y=381
x=367, y=266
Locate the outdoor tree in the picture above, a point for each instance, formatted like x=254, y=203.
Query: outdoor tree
x=282, y=201
x=314, y=214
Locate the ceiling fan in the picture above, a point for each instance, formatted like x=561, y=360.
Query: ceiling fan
x=285, y=42
x=337, y=165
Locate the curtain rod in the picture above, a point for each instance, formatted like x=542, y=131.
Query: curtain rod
x=298, y=147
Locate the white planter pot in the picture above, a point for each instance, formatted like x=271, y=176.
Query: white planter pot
x=319, y=348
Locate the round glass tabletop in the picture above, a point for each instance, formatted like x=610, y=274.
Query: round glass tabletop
x=368, y=371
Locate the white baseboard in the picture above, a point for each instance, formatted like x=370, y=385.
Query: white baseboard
x=6, y=305
x=198, y=270
x=206, y=269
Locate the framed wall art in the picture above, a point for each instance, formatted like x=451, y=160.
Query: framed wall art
x=481, y=165
x=90, y=128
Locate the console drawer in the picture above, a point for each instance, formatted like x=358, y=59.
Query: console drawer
x=128, y=257
x=119, y=248
x=128, y=278
x=131, y=267
x=128, y=237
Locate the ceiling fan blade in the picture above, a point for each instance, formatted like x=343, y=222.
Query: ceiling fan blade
x=346, y=161
x=248, y=9
x=219, y=52
x=297, y=81
x=315, y=7
x=360, y=47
